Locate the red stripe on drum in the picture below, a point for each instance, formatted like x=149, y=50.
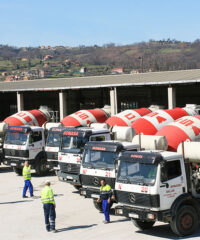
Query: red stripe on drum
x=174, y=136
x=142, y=125
x=99, y=114
x=39, y=116
x=70, y=122
x=13, y=121
x=116, y=121
x=142, y=111
x=176, y=113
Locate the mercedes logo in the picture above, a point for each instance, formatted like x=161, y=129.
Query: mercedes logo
x=96, y=181
x=132, y=197
x=12, y=152
x=69, y=167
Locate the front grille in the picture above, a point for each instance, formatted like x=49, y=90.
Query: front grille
x=16, y=153
x=138, y=199
x=52, y=155
x=94, y=181
x=53, y=163
x=69, y=168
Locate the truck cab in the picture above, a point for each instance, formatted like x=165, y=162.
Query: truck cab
x=52, y=147
x=157, y=186
x=25, y=143
x=99, y=162
x=70, y=154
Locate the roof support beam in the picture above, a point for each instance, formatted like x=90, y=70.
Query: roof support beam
x=62, y=104
x=171, y=97
x=20, y=101
x=113, y=100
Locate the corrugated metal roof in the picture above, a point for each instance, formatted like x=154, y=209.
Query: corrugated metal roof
x=140, y=79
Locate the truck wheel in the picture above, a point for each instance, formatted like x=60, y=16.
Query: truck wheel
x=97, y=205
x=18, y=171
x=143, y=225
x=77, y=187
x=185, y=221
x=41, y=167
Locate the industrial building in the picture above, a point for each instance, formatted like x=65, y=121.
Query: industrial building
x=67, y=95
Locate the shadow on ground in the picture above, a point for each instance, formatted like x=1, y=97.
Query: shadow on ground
x=14, y=202
x=164, y=231
x=75, y=227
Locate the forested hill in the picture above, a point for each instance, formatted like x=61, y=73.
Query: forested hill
x=65, y=61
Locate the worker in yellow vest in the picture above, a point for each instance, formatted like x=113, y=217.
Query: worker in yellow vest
x=49, y=206
x=27, y=180
x=105, y=197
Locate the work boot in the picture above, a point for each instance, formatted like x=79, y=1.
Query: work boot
x=106, y=222
x=54, y=231
x=25, y=197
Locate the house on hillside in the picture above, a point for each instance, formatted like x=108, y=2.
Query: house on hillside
x=47, y=57
x=11, y=78
x=117, y=71
x=83, y=70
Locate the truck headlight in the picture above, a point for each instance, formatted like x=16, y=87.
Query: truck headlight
x=151, y=216
x=119, y=211
x=83, y=192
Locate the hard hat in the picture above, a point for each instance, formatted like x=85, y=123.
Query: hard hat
x=47, y=181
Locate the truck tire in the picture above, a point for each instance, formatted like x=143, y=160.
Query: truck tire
x=40, y=167
x=77, y=187
x=143, y=225
x=97, y=205
x=18, y=171
x=185, y=222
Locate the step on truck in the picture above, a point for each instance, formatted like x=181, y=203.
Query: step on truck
x=70, y=154
x=25, y=143
x=99, y=162
x=160, y=186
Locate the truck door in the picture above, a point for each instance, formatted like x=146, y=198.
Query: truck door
x=35, y=143
x=171, y=183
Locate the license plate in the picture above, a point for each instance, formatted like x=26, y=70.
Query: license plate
x=13, y=164
x=68, y=177
x=94, y=195
x=133, y=215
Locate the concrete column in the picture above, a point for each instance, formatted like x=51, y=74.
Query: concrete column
x=171, y=97
x=20, y=101
x=113, y=100
x=62, y=104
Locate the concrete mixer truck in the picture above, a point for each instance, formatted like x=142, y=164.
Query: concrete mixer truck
x=25, y=143
x=160, y=186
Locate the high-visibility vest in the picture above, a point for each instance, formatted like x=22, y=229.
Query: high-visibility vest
x=27, y=173
x=105, y=192
x=47, y=195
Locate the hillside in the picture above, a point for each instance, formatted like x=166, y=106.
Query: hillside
x=41, y=62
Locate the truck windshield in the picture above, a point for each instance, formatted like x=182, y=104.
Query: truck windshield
x=53, y=139
x=99, y=159
x=137, y=173
x=73, y=142
x=17, y=138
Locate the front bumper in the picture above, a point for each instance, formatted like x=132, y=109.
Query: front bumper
x=19, y=163
x=89, y=193
x=69, y=178
x=52, y=165
x=142, y=214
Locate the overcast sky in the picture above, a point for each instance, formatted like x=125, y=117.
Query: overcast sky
x=89, y=22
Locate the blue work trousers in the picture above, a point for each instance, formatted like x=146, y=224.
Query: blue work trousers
x=106, y=210
x=49, y=212
x=27, y=184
